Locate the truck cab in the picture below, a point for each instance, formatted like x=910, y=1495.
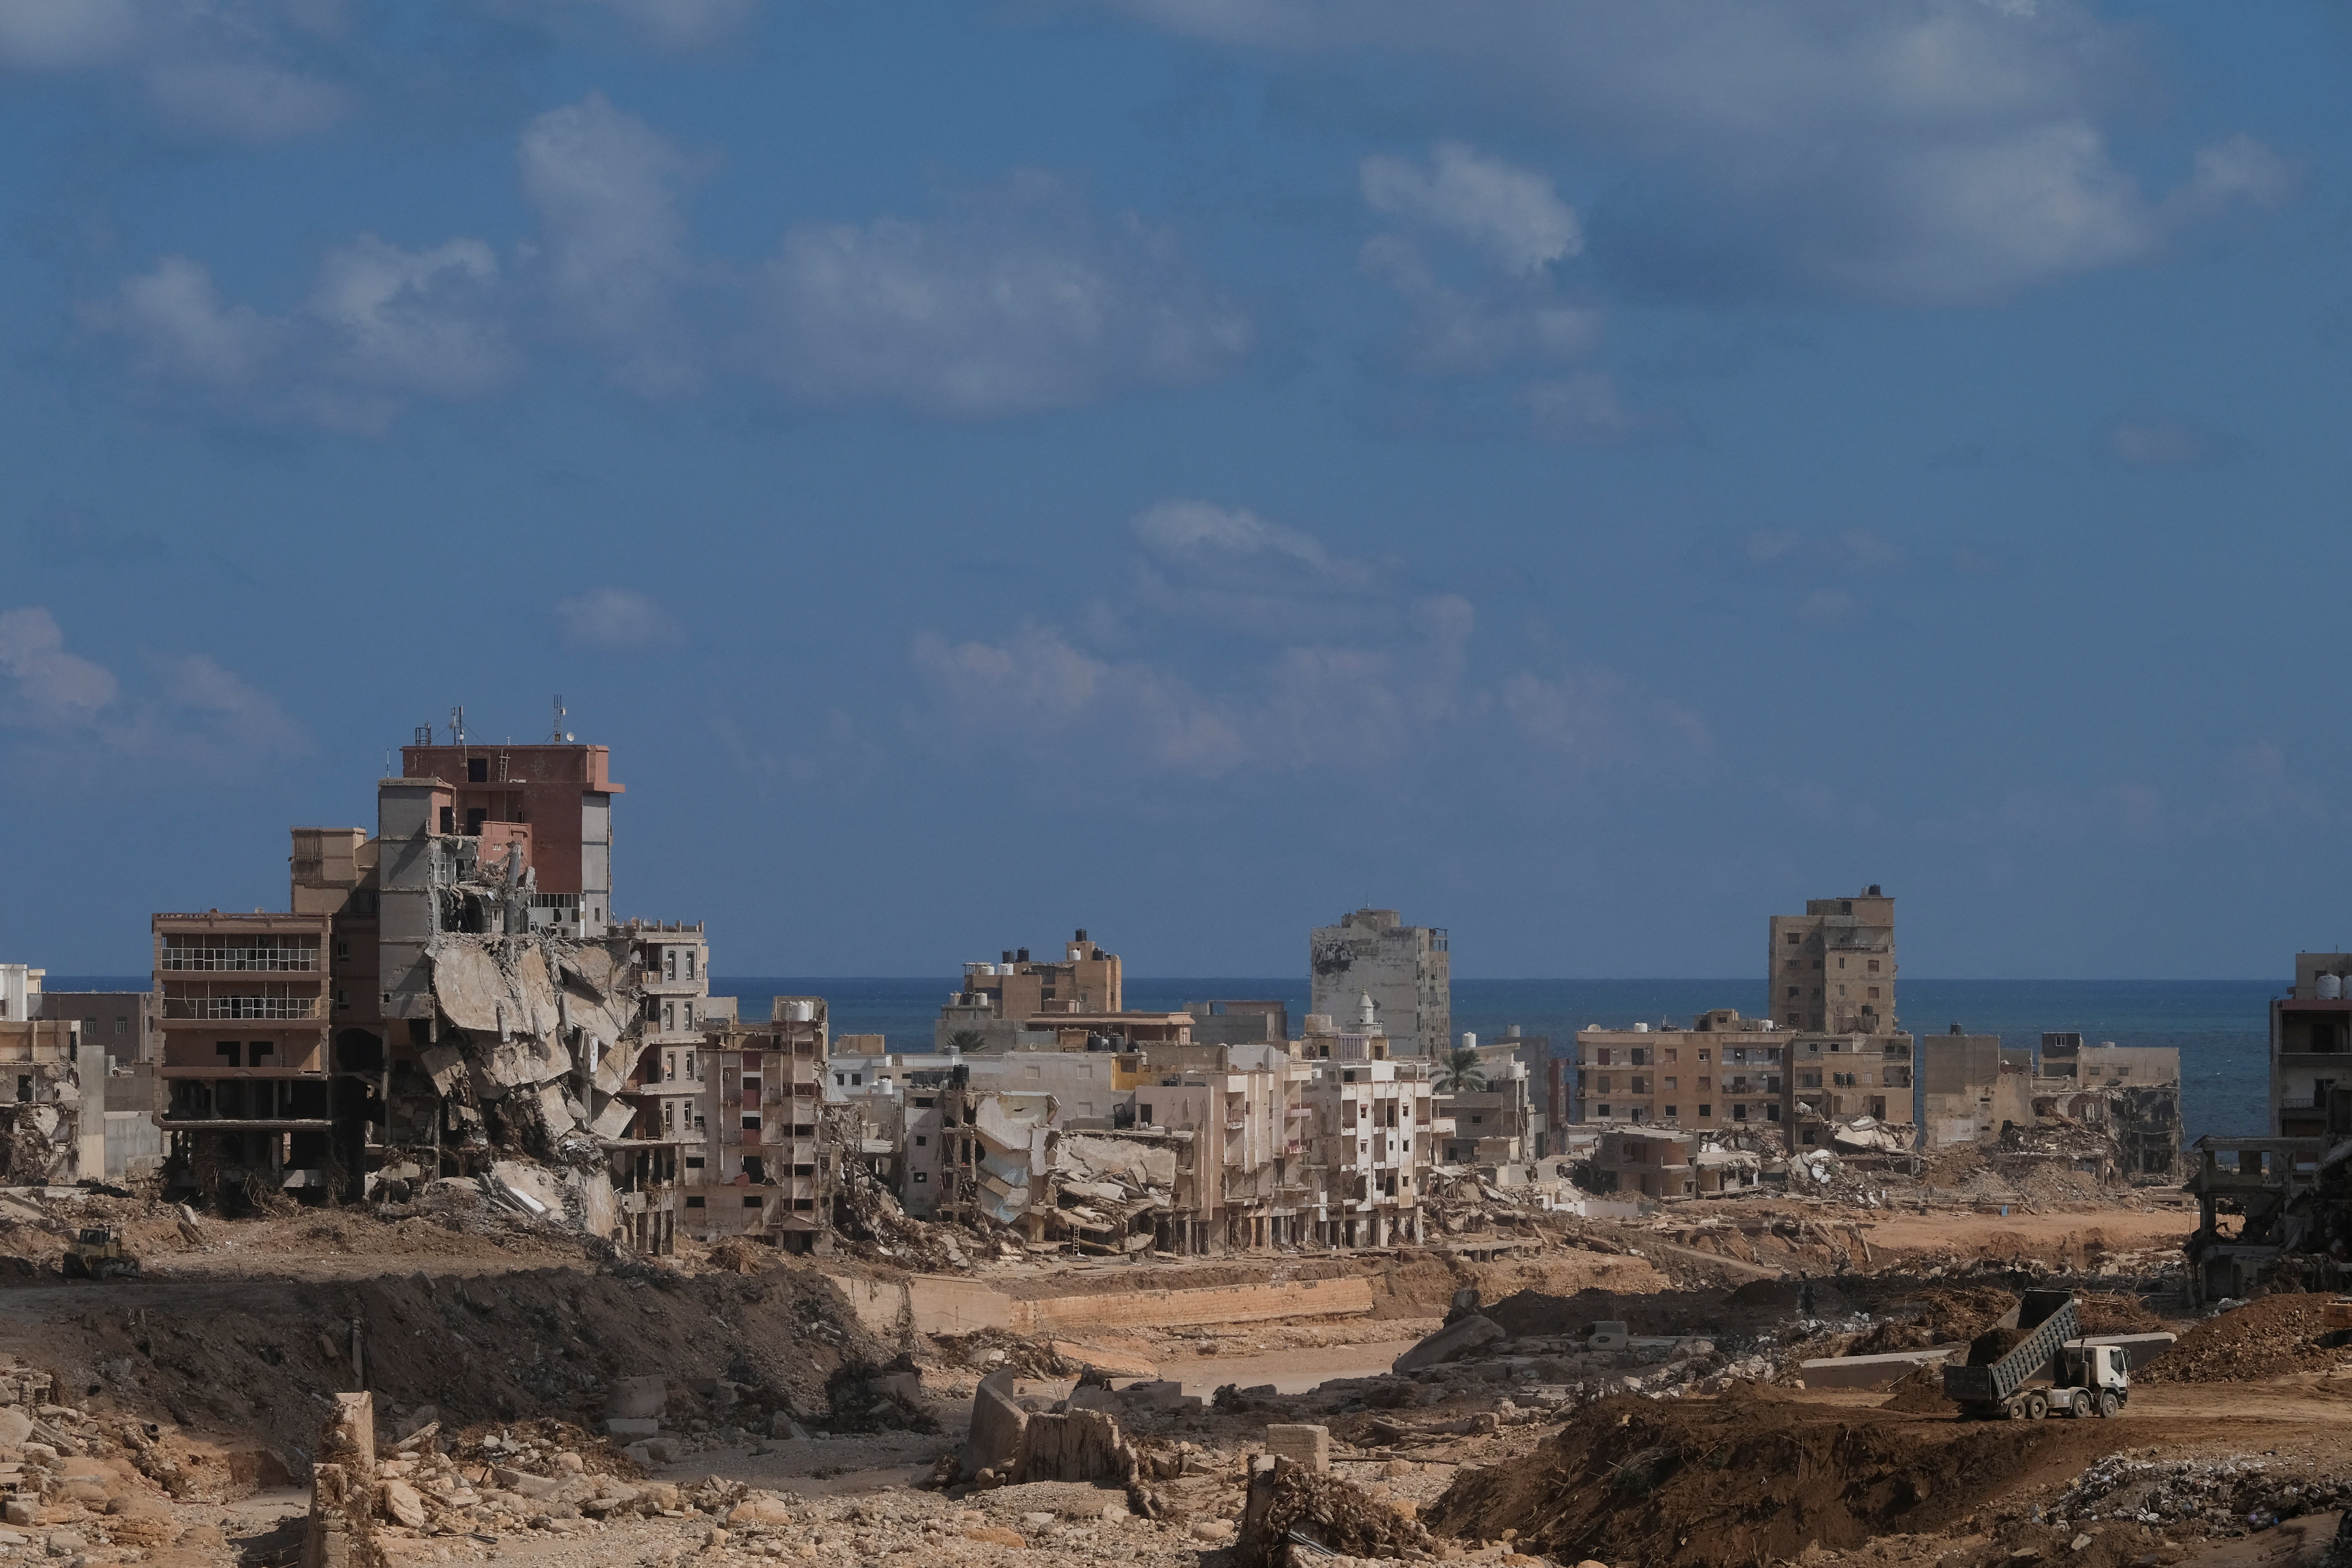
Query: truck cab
x=2089, y=1380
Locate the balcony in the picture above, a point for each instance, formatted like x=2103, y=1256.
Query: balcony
x=185, y=1006
x=228, y=954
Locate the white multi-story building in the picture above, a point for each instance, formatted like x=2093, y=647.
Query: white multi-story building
x=1375, y=1130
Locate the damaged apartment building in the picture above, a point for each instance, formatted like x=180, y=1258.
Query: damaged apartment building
x=2275, y=1204
x=1826, y=1067
x=48, y=1136
x=452, y=995
x=2107, y=1110
x=1149, y=1140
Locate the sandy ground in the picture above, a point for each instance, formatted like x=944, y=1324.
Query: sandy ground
x=2117, y=1229
x=1290, y=1371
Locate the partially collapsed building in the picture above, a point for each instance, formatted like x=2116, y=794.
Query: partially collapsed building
x=453, y=997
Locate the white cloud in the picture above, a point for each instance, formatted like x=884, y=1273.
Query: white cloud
x=1227, y=567
x=65, y=35
x=416, y=320
x=1201, y=533
x=1458, y=333
x=1917, y=152
x=2238, y=169
x=179, y=329
x=1580, y=410
x=1022, y=302
x=224, y=70
x=381, y=325
x=72, y=717
x=1596, y=716
x=685, y=24
x=666, y=24
x=1036, y=685
x=46, y=683
x=1512, y=212
x=619, y=620
x=612, y=250
x=1391, y=684
x=244, y=99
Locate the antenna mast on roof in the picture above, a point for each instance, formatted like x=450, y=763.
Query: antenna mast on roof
x=558, y=738
x=458, y=726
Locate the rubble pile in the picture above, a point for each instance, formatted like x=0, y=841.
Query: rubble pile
x=1291, y=1504
x=2223, y=1497
x=2266, y=1338
x=73, y=1483
x=872, y=1223
x=1749, y=1478
x=539, y=1048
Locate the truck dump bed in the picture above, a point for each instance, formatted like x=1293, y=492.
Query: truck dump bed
x=2047, y=1319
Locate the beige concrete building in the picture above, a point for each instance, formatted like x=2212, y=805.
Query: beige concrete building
x=2311, y=1044
x=1374, y=1130
x=1832, y=969
x=1405, y=970
x=247, y=1059
x=1725, y=1072
x=996, y=1001
x=1972, y=1088
x=1836, y=1081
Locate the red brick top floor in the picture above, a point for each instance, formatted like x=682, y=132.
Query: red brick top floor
x=584, y=767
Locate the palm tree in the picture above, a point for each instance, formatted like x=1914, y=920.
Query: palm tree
x=967, y=1039
x=1463, y=1075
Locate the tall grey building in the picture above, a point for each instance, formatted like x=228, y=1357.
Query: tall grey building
x=1403, y=969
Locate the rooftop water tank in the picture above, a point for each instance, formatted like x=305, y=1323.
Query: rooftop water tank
x=1469, y=1041
x=1641, y=1029
x=800, y=1012
x=2330, y=987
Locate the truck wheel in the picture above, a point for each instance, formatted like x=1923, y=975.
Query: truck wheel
x=2036, y=1406
x=2108, y=1404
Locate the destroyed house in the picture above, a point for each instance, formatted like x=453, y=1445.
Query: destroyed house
x=43, y=1112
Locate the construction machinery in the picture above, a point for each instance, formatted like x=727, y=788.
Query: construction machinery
x=2047, y=1372
x=97, y=1253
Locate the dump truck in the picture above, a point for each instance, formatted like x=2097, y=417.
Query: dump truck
x=2048, y=1372
x=97, y=1253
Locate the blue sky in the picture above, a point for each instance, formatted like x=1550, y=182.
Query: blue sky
x=1588, y=473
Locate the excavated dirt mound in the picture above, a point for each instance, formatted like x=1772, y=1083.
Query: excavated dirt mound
x=1994, y=1343
x=1886, y=1338
x=1776, y=1295
x=2103, y=1314
x=1920, y=1393
x=1955, y=1314
x=2269, y=1338
x=1331, y=1513
x=257, y=1360
x=1532, y=1314
x=1751, y=1478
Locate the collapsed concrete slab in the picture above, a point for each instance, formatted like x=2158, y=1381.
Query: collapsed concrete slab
x=1457, y=1339
x=1873, y=1371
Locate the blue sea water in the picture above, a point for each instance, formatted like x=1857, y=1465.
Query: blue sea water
x=2221, y=1026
